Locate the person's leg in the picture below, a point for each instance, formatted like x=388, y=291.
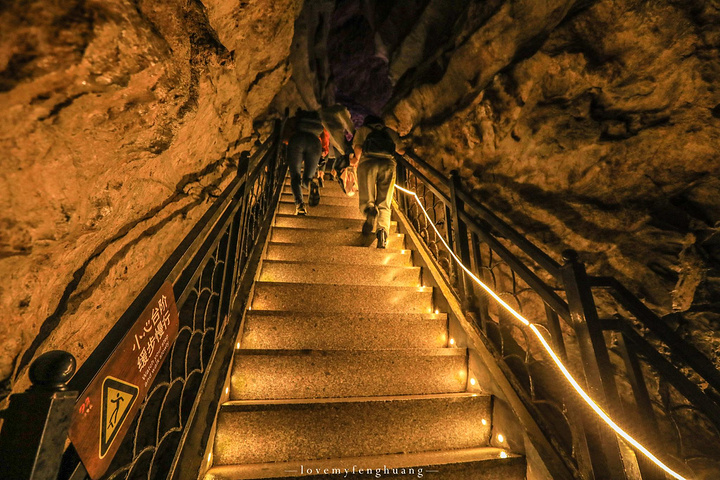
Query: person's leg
x=295, y=155
x=311, y=157
x=313, y=151
x=367, y=191
x=383, y=199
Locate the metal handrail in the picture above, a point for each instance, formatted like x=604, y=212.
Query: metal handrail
x=470, y=227
x=680, y=348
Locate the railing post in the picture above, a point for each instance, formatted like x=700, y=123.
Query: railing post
x=401, y=179
x=603, y=444
x=36, y=423
x=460, y=237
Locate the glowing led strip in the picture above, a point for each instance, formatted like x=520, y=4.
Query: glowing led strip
x=601, y=413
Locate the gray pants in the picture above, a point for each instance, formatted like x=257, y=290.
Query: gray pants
x=376, y=184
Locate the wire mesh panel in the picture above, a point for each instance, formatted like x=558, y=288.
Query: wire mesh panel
x=204, y=290
x=687, y=414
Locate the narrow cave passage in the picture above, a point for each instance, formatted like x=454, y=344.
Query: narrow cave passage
x=572, y=125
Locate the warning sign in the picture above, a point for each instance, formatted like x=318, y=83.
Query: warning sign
x=106, y=409
x=117, y=398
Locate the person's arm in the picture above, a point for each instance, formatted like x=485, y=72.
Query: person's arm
x=399, y=145
x=357, y=149
x=325, y=140
x=357, y=144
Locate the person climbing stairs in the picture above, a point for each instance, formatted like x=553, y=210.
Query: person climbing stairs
x=343, y=367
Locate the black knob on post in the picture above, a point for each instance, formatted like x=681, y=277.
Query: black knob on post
x=52, y=370
x=570, y=256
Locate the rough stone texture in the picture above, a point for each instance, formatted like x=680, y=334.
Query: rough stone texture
x=118, y=120
x=592, y=125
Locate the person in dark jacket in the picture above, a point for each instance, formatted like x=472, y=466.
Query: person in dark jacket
x=304, y=152
x=375, y=146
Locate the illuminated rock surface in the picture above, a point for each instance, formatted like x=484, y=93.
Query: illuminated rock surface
x=591, y=125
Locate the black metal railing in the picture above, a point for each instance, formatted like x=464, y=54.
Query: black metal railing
x=211, y=271
x=651, y=381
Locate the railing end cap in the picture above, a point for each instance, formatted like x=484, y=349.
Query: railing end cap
x=52, y=370
x=570, y=256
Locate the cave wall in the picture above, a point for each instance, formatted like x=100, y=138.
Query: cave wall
x=120, y=120
x=588, y=124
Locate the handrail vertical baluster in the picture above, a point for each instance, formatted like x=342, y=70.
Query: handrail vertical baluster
x=643, y=405
x=607, y=461
x=461, y=247
x=480, y=297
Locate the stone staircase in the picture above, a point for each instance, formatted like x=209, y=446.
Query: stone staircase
x=343, y=366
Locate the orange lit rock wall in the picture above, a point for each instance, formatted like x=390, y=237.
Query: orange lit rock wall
x=591, y=125
x=117, y=119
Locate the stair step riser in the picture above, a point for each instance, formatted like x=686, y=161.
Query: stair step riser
x=332, y=211
x=340, y=237
x=343, y=331
x=324, y=223
x=328, y=191
x=341, y=298
x=447, y=465
x=340, y=274
x=338, y=254
x=263, y=433
x=326, y=198
x=333, y=374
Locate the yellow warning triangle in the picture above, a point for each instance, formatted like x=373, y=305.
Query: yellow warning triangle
x=117, y=402
x=118, y=396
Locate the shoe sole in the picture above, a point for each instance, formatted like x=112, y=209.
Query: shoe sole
x=314, y=197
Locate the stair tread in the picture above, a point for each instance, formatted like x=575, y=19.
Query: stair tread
x=312, y=263
x=275, y=374
x=324, y=315
x=369, y=287
x=274, y=404
x=353, y=248
x=398, y=352
x=348, y=427
x=404, y=460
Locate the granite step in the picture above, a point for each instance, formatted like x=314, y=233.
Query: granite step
x=327, y=197
x=316, y=237
x=329, y=191
x=251, y=432
x=334, y=331
x=345, y=255
x=338, y=274
x=284, y=374
x=323, y=223
x=480, y=463
x=322, y=210
x=318, y=297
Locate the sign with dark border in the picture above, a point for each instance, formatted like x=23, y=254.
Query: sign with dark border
x=108, y=405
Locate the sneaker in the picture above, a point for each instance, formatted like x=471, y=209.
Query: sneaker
x=321, y=180
x=300, y=209
x=369, y=225
x=314, y=197
x=382, y=238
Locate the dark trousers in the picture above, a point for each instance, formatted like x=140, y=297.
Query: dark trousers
x=304, y=151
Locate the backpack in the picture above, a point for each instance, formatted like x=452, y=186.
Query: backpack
x=379, y=144
x=310, y=122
